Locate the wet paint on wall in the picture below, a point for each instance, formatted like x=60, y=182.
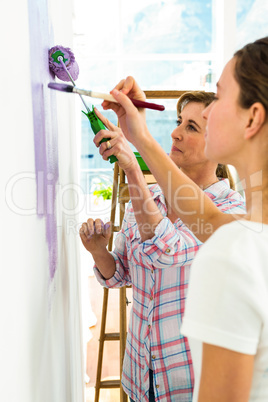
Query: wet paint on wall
x=45, y=126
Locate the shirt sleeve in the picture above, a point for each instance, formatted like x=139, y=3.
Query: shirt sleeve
x=122, y=275
x=120, y=278
x=232, y=205
x=223, y=307
x=171, y=245
x=227, y=200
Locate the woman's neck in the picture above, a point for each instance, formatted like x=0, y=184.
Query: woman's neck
x=257, y=203
x=201, y=177
x=255, y=184
x=251, y=166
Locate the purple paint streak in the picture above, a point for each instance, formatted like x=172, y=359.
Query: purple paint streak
x=45, y=127
x=60, y=87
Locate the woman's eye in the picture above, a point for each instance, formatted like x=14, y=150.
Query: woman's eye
x=178, y=122
x=191, y=127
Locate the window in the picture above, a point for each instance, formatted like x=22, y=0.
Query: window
x=251, y=19
x=165, y=45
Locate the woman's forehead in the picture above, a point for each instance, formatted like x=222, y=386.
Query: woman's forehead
x=193, y=107
x=227, y=77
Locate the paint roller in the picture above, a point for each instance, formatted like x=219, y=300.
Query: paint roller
x=63, y=65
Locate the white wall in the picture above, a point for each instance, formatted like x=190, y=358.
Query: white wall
x=41, y=344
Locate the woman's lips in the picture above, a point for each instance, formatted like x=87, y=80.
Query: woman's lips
x=175, y=149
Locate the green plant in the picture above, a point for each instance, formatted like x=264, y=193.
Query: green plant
x=104, y=192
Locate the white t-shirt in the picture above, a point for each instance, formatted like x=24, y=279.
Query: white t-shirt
x=227, y=301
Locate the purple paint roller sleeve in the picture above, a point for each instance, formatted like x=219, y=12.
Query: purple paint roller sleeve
x=68, y=59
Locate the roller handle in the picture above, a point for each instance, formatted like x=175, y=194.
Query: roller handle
x=97, y=125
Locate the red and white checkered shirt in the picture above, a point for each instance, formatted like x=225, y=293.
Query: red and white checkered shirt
x=158, y=270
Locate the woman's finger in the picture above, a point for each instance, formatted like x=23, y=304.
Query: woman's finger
x=107, y=230
x=131, y=88
x=90, y=227
x=99, y=225
x=82, y=234
x=106, y=105
x=120, y=85
x=106, y=147
x=84, y=228
x=124, y=101
x=103, y=134
x=105, y=121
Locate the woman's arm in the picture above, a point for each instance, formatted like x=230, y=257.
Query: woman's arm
x=185, y=198
x=226, y=375
x=146, y=212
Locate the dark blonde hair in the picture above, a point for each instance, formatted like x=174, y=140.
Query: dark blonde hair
x=205, y=98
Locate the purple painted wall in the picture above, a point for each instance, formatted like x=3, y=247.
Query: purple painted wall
x=45, y=125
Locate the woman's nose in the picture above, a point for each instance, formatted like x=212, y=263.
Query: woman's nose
x=177, y=134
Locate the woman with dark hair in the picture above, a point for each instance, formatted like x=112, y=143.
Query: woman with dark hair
x=226, y=317
x=154, y=251
x=234, y=332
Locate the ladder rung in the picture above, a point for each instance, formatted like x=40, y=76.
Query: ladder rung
x=110, y=384
x=116, y=228
x=112, y=336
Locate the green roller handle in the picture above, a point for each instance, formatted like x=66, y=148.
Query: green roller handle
x=97, y=125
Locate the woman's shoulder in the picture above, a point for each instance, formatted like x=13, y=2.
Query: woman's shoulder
x=242, y=227
x=239, y=237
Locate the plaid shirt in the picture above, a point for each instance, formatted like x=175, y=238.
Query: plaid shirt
x=158, y=270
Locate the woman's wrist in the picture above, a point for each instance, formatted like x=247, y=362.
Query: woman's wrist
x=100, y=253
x=143, y=140
x=132, y=166
x=105, y=263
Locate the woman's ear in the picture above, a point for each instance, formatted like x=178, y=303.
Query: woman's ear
x=256, y=118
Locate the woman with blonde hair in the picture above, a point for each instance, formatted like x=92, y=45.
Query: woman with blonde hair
x=154, y=251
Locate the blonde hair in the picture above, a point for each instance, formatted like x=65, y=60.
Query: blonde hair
x=205, y=98
x=223, y=172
